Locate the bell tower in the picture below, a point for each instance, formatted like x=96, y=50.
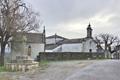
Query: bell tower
x=89, y=31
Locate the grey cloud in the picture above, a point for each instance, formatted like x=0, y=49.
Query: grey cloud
x=55, y=12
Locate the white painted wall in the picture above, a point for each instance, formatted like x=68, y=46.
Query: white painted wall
x=77, y=47
x=89, y=44
x=73, y=47
x=53, y=40
x=48, y=50
x=35, y=49
x=57, y=49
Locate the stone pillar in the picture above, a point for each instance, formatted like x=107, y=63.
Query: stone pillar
x=18, y=46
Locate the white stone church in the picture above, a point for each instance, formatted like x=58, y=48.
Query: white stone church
x=57, y=43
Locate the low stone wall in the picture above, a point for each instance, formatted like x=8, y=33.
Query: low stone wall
x=68, y=56
x=21, y=67
x=21, y=63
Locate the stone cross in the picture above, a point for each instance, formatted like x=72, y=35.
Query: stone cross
x=18, y=46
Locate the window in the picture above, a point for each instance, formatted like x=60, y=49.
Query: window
x=90, y=50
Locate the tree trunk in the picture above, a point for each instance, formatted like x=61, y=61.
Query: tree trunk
x=106, y=51
x=2, y=54
x=105, y=46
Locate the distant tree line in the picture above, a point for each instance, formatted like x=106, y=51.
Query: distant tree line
x=107, y=41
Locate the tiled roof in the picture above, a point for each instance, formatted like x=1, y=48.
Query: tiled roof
x=80, y=40
x=51, y=46
x=32, y=37
x=66, y=41
x=55, y=36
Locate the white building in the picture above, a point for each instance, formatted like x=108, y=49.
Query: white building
x=53, y=41
x=61, y=44
x=35, y=41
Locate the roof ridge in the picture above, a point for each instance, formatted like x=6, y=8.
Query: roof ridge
x=55, y=35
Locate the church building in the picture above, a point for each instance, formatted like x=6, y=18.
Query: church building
x=86, y=44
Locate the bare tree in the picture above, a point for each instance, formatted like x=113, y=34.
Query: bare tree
x=15, y=17
x=108, y=40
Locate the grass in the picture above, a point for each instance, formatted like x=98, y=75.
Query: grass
x=2, y=69
x=43, y=64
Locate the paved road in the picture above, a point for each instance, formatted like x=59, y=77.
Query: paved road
x=104, y=70
x=75, y=70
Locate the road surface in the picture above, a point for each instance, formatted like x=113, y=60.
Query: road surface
x=73, y=70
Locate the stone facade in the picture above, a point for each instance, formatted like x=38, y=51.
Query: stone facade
x=21, y=63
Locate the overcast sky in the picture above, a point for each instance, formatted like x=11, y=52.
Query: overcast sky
x=70, y=18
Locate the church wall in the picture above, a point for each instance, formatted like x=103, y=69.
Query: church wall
x=52, y=40
x=89, y=44
x=35, y=49
x=77, y=47
x=48, y=50
x=73, y=47
x=57, y=49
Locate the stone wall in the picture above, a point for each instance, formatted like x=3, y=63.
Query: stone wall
x=68, y=56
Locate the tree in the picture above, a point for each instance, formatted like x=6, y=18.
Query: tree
x=107, y=40
x=15, y=17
